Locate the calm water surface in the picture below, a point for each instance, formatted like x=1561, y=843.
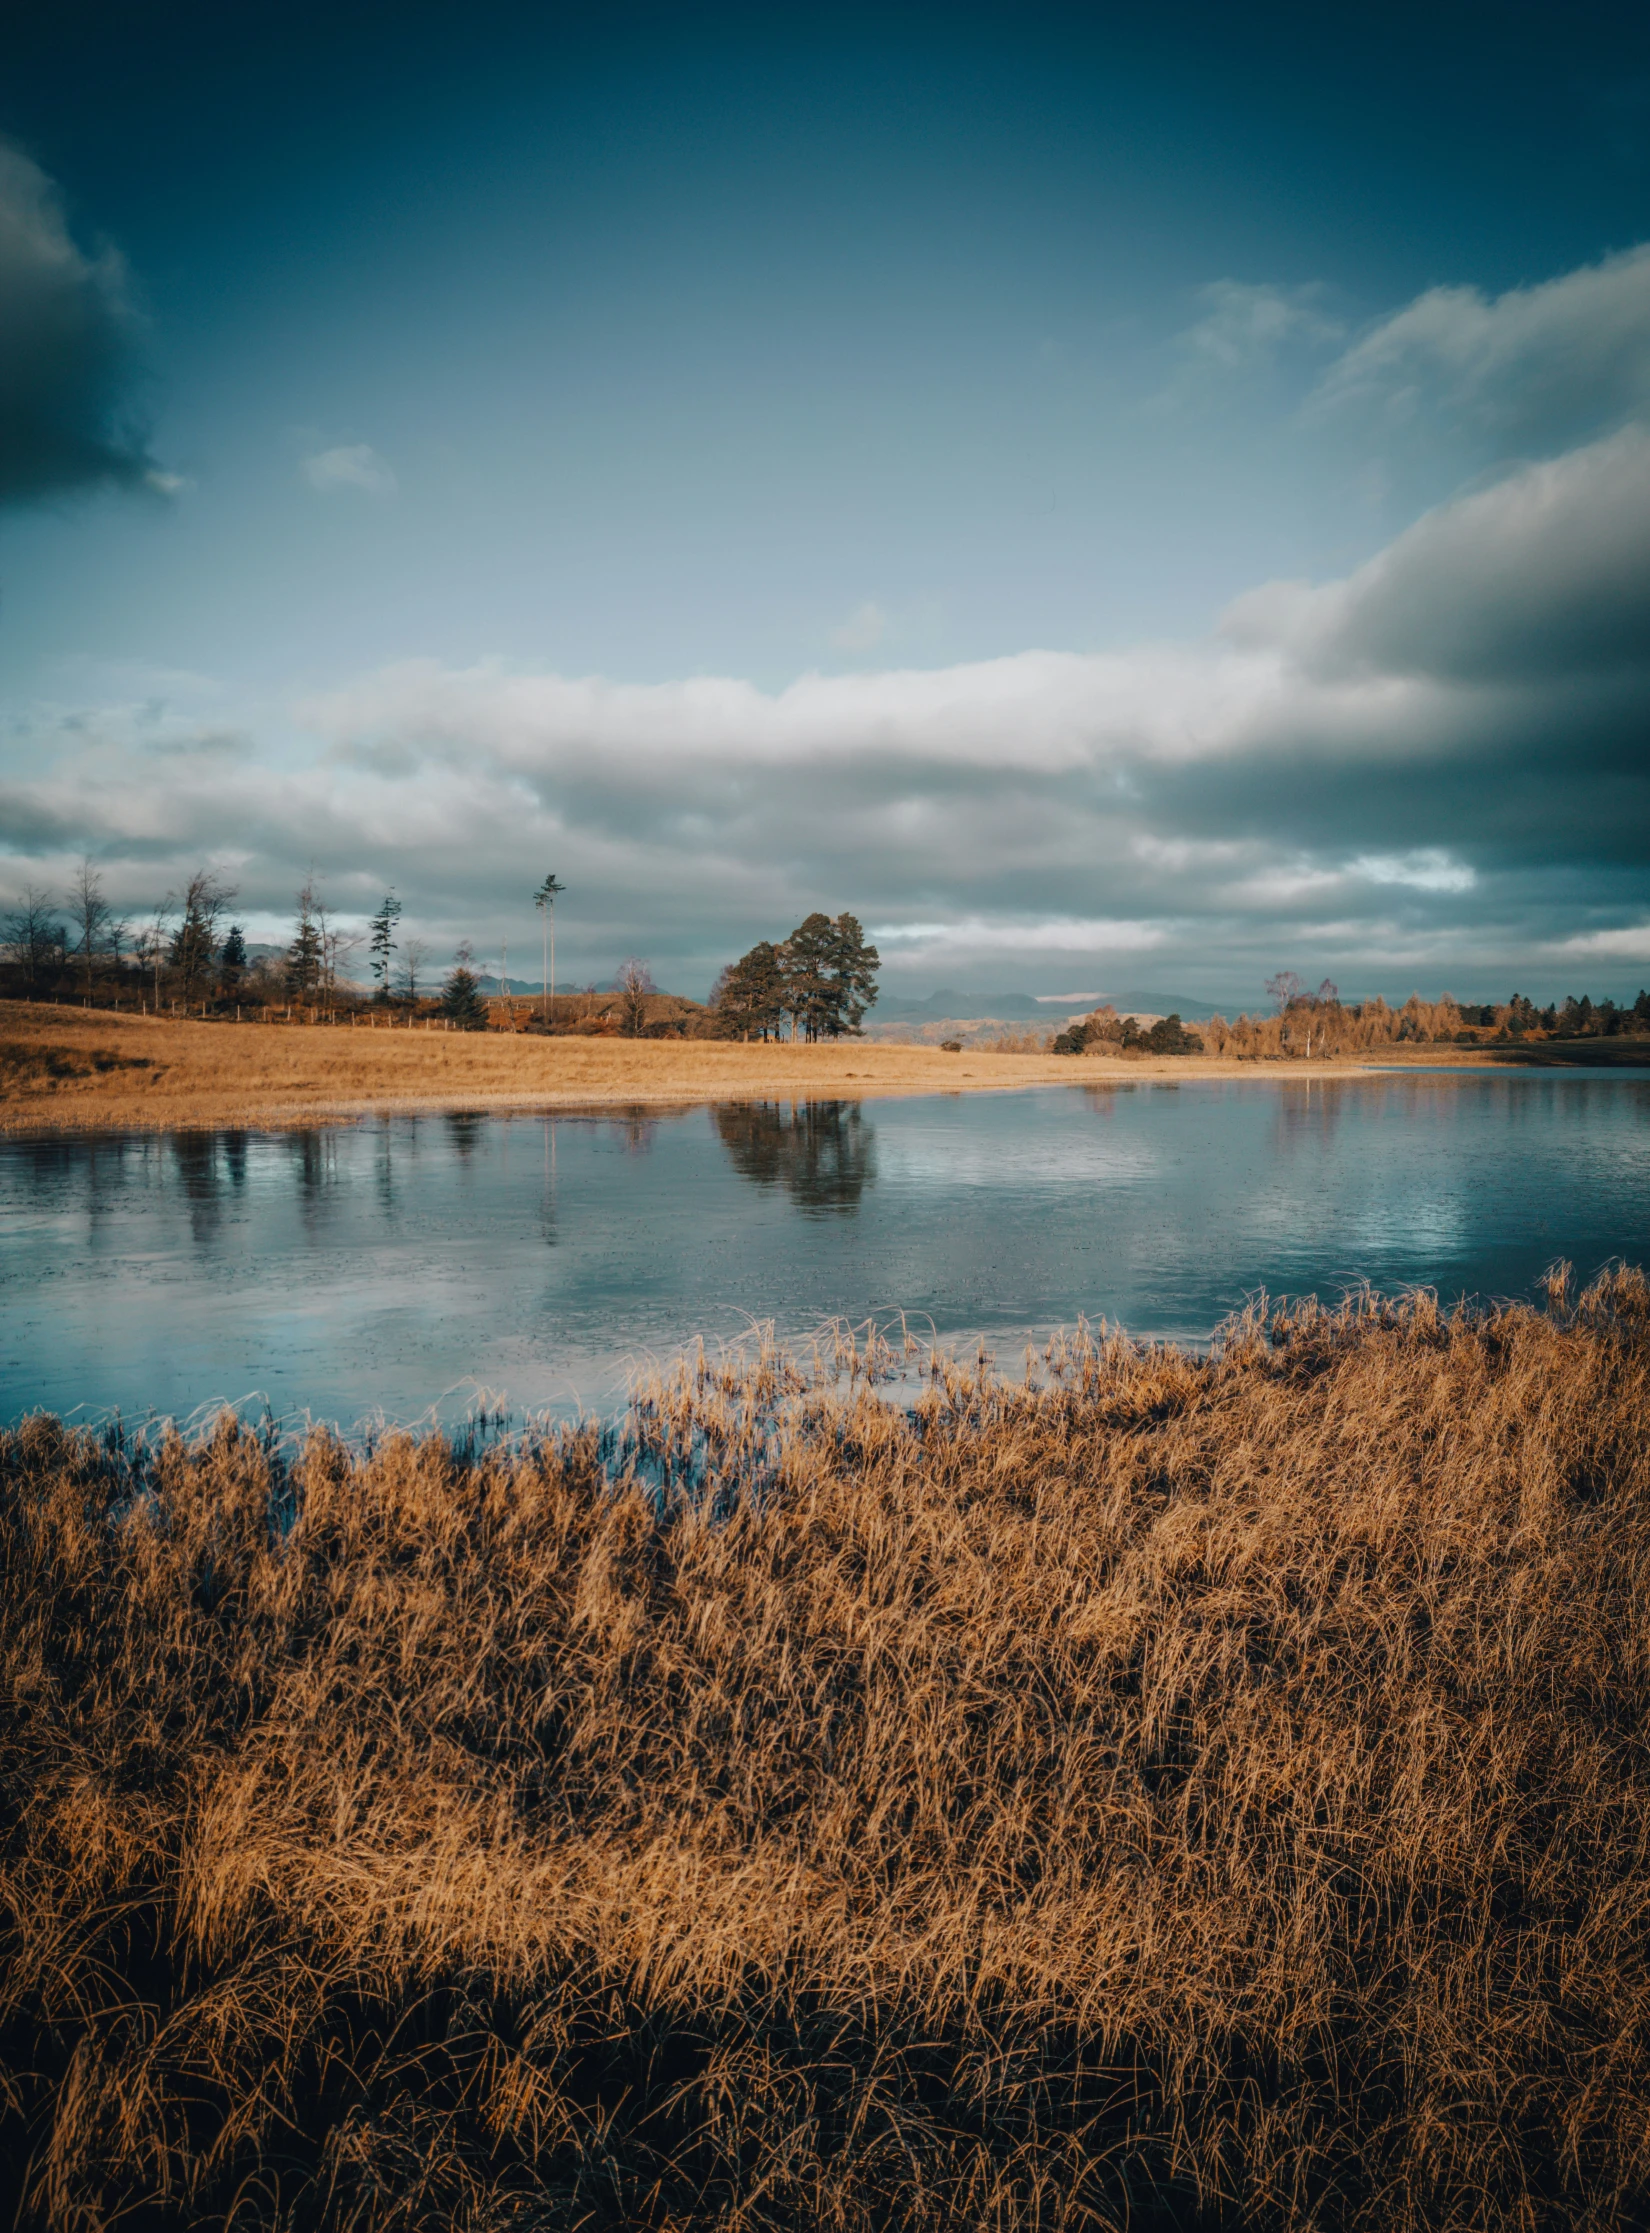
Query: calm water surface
x=393, y=1267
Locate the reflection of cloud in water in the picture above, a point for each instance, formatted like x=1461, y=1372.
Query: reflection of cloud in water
x=822, y=1152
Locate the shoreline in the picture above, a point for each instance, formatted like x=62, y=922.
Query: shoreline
x=79, y=1070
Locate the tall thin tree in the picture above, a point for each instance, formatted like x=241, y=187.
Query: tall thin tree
x=544, y=899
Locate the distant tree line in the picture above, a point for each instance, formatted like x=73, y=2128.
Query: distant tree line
x=1305, y=1024
x=816, y=984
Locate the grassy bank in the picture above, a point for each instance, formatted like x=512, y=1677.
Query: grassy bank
x=1197, y=1793
x=75, y=1069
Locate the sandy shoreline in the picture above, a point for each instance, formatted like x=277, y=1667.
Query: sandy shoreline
x=73, y=1070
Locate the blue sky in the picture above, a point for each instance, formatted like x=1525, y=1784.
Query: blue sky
x=1114, y=502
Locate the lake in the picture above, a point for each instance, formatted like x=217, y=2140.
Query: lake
x=393, y=1267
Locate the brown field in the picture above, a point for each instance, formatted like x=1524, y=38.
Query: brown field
x=69, y=1068
x=1194, y=1793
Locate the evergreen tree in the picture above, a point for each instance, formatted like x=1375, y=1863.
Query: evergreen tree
x=750, y=994
x=232, y=960
x=854, y=966
x=305, y=960
x=461, y=1000
x=811, y=990
x=195, y=941
x=381, y=942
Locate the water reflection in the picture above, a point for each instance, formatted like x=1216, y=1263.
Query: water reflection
x=1308, y=1115
x=391, y=1263
x=822, y=1152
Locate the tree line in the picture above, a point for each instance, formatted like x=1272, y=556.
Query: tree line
x=815, y=984
x=1304, y=1024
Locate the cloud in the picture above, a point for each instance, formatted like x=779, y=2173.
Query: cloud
x=1430, y=771
x=351, y=465
x=66, y=367
x=1245, y=324
x=863, y=629
x=1539, y=365
x=1429, y=870
x=1547, y=573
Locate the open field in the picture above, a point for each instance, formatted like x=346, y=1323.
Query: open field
x=1195, y=1794
x=79, y=1069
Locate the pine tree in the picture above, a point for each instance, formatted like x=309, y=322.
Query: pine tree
x=381, y=942
x=304, y=958
x=232, y=960
x=854, y=966
x=195, y=941
x=811, y=992
x=461, y=1000
x=750, y=994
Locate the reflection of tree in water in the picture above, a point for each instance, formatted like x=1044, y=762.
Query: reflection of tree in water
x=314, y=1159
x=1306, y=1115
x=824, y=1152
x=464, y=1129
x=636, y=1127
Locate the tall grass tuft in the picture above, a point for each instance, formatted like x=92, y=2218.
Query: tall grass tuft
x=1186, y=1792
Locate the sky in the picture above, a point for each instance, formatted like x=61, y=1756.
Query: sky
x=1115, y=498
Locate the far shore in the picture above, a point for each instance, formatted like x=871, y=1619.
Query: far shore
x=73, y=1069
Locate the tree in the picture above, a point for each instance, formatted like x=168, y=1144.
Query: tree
x=34, y=937
x=854, y=966
x=414, y=954
x=635, y=983
x=195, y=941
x=92, y=915
x=381, y=942
x=232, y=961
x=152, y=942
x=810, y=984
x=461, y=1001
x=1285, y=989
x=544, y=899
x=306, y=956
x=749, y=997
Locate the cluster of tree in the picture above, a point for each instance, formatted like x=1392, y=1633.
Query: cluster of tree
x=1319, y=1023
x=817, y=984
x=1106, y=1031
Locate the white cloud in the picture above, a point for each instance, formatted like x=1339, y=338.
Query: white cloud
x=1429, y=870
x=1245, y=324
x=863, y=630
x=1554, y=361
x=1048, y=934
x=1631, y=942
x=350, y=465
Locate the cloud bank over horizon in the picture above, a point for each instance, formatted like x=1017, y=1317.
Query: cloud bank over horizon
x=1429, y=770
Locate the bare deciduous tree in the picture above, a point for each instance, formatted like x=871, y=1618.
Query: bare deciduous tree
x=92, y=916
x=635, y=983
x=414, y=953
x=33, y=935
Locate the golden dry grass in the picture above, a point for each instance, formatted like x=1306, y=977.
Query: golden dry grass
x=164, y=1073
x=1196, y=1793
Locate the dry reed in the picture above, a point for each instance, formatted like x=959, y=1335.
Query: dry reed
x=1185, y=1792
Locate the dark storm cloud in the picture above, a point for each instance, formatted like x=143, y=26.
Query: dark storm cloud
x=66, y=367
